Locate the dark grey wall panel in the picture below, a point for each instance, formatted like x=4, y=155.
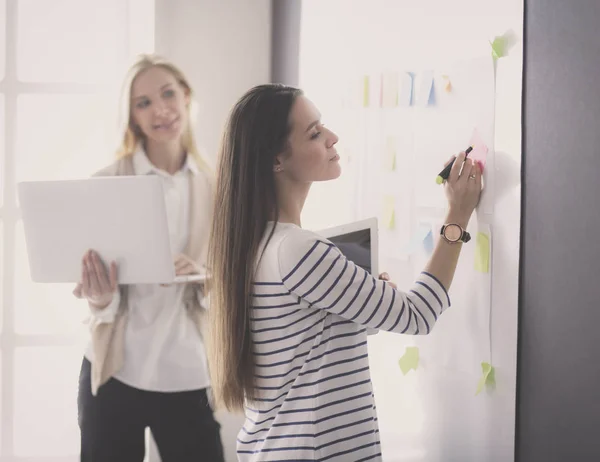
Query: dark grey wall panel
x=559, y=339
x=285, y=47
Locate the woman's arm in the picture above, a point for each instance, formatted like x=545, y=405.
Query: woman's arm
x=316, y=271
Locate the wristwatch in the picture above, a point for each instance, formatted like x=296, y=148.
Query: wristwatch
x=454, y=233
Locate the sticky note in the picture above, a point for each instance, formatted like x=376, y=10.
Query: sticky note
x=418, y=239
x=405, y=98
x=480, y=149
x=482, y=253
x=389, y=219
x=502, y=43
x=390, y=153
x=488, y=377
x=365, y=91
x=447, y=84
x=375, y=90
x=498, y=47
x=426, y=96
x=410, y=360
x=389, y=90
x=428, y=242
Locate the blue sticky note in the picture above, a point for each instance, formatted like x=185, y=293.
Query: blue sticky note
x=417, y=241
x=426, y=95
x=428, y=242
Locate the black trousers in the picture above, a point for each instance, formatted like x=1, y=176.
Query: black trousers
x=113, y=422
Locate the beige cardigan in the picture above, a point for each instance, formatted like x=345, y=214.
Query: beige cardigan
x=108, y=338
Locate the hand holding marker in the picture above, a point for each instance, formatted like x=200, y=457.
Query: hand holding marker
x=443, y=176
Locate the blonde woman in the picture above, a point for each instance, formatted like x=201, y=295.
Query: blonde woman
x=146, y=364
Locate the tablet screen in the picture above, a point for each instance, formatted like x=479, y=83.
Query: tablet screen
x=356, y=247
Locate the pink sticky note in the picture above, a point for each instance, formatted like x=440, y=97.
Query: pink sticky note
x=480, y=150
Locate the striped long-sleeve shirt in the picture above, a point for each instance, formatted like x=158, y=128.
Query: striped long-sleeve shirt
x=311, y=308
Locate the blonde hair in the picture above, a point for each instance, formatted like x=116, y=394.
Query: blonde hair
x=132, y=135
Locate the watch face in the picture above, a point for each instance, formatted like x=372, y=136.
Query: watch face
x=453, y=233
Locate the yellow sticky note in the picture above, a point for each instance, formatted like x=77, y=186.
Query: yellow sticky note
x=488, y=377
x=482, y=253
x=390, y=153
x=410, y=360
x=366, y=87
x=389, y=89
x=389, y=218
x=447, y=84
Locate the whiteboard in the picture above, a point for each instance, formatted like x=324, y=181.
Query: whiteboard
x=431, y=414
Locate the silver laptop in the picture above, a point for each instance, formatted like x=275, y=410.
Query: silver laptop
x=123, y=218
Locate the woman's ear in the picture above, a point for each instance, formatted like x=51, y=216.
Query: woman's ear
x=277, y=165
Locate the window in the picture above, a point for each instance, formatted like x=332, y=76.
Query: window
x=61, y=66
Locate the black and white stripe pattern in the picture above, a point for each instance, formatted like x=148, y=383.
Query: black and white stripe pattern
x=311, y=308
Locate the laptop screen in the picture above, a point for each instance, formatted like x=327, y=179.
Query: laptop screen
x=356, y=247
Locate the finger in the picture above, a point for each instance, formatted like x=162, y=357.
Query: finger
x=85, y=278
x=481, y=181
x=456, y=168
x=113, y=277
x=384, y=276
x=478, y=175
x=449, y=161
x=392, y=284
x=77, y=291
x=468, y=171
x=181, y=262
x=101, y=273
x=187, y=269
x=94, y=282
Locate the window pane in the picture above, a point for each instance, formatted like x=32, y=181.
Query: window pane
x=71, y=40
x=44, y=308
x=64, y=136
x=2, y=146
x=2, y=253
x=45, y=401
x=2, y=38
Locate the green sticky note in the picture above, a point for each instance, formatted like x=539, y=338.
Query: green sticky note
x=410, y=360
x=488, y=378
x=390, y=154
x=482, y=253
x=502, y=43
x=498, y=47
x=389, y=213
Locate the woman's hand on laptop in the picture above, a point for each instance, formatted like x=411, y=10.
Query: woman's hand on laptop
x=184, y=266
x=97, y=283
x=386, y=277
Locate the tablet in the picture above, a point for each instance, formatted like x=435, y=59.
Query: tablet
x=123, y=218
x=358, y=242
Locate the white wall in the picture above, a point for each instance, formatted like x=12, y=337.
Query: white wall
x=224, y=47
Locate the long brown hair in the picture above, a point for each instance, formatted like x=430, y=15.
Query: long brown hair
x=132, y=135
x=257, y=130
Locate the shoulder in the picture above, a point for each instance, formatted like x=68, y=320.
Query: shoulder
x=299, y=245
x=122, y=166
